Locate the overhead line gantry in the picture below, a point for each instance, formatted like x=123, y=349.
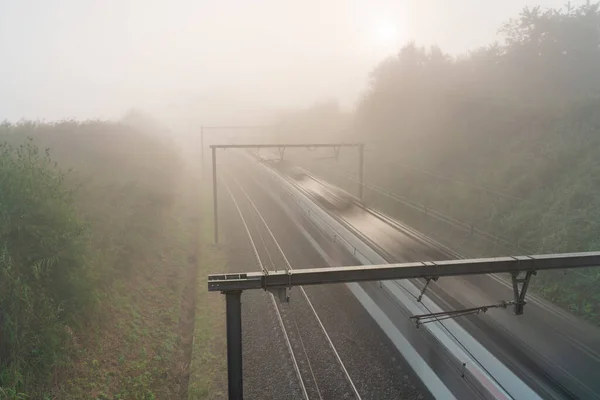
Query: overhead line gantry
x=521, y=269
x=281, y=147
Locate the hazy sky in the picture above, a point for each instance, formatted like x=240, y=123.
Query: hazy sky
x=98, y=58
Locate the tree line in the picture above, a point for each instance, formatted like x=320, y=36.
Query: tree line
x=520, y=117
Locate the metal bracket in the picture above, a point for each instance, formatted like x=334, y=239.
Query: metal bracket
x=423, y=319
x=336, y=151
x=520, y=292
x=281, y=153
x=281, y=294
x=427, y=281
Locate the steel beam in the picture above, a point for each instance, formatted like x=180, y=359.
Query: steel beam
x=231, y=127
x=283, y=145
x=429, y=269
x=225, y=127
x=234, y=344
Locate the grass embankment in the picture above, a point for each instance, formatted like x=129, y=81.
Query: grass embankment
x=208, y=369
x=98, y=265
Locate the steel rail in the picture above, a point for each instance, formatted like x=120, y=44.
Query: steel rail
x=289, y=269
x=236, y=388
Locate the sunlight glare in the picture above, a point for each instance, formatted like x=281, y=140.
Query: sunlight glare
x=385, y=33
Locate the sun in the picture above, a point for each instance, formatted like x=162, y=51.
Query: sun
x=385, y=33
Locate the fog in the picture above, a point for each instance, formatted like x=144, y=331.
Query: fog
x=215, y=60
x=471, y=127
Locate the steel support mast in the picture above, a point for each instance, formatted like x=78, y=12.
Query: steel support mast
x=233, y=284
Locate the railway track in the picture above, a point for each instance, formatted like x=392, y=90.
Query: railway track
x=533, y=372
x=319, y=369
x=548, y=379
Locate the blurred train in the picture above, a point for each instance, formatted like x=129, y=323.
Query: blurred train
x=330, y=197
x=291, y=170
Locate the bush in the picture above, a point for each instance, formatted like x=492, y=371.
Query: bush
x=67, y=237
x=43, y=276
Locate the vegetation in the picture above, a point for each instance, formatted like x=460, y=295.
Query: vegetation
x=505, y=138
x=208, y=364
x=44, y=279
x=98, y=222
x=99, y=248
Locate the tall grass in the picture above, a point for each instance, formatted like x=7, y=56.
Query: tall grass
x=43, y=272
x=77, y=200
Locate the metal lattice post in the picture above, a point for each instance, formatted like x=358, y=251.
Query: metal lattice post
x=234, y=344
x=215, y=208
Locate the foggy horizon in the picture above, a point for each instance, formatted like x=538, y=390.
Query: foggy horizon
x=255, y=199
x=198, y=61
